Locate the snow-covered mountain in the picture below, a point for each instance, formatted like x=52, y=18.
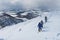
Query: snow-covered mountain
x=6, y=20
x=29, y=31
x=11, y=17
x=19, y=19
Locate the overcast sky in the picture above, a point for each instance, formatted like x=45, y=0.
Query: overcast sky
x=6, y=4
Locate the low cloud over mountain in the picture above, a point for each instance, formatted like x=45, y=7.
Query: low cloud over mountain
x=29, y=4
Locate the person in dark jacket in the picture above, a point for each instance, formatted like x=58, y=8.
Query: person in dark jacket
x=40, y=26
x=45, y=18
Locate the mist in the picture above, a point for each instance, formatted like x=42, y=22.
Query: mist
x=29, y=4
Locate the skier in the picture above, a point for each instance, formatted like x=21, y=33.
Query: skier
x=40, y=26
x=45, y=18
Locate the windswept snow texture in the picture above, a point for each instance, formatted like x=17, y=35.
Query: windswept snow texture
x=28, y=30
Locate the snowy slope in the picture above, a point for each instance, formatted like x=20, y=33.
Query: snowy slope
x=7, y=32
x=28, y=30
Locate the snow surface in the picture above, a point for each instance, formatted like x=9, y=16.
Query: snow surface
x=29, y=31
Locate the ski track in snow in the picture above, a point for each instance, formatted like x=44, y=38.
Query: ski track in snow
x=28, y=30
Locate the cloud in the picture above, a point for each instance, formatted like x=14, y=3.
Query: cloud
x=28, y=4
x=10, y=4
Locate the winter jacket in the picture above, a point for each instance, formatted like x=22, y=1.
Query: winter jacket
x=40, y=25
